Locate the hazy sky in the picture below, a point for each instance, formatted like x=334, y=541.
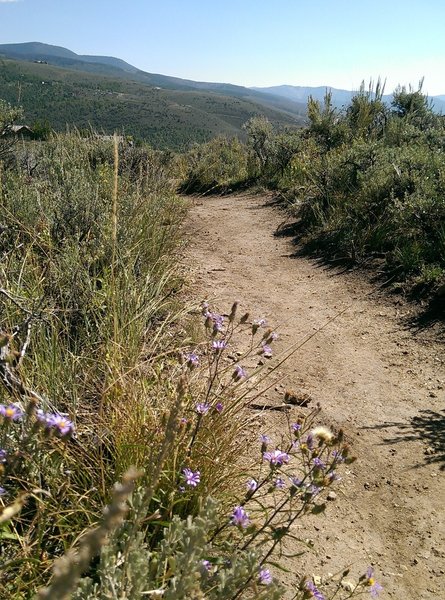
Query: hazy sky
x=249, y=42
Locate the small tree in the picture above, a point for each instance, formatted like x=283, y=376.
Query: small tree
x=413, y=106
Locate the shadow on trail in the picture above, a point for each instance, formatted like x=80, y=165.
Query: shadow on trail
x=316, y=250
x=428, y=427
x=429, y=310
x=432, y=314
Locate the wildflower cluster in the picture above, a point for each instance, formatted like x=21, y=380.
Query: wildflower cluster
x=56, y=423
x=215, y=374
x=27, y=432
x=232, y=552
x=291, y=481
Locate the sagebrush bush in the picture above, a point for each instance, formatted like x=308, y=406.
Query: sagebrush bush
x=220, y=165
x=369, y=180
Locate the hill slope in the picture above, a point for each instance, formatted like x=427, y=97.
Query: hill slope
x=60, y=56
x=239, y=103
x=167, y=118
x=108, y=65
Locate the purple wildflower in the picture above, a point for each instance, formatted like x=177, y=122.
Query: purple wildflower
x=314, y=591
x=207, y=565
x=279, y=483
x=265, y=439
x=240, y=518
x=192, y=359
x=183, y=421
x=2, y=491
x=338, y=456
x=295, y=481
x=191, y=478
x=264, y=577
x=375, y=588
x=310, y=441
x=276, y=457
x=219, y=345
x=257, y=324
x=62, y=425
x=219, y=407
x=3, y=455
x=313, y=490
x=267, y=350
x=295, y=426
x=318, y=463
x=11, y=412
x=202, y=408
x=239, y=373
x=216, y=319
x=252, y=485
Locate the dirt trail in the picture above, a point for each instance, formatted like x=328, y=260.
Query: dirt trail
x=374, y=377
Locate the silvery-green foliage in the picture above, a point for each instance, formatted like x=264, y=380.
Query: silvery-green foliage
x=124, y=564
x=122, y=572
x=128, y=569
x=183, y=548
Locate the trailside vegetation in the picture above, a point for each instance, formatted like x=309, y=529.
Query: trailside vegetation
x=107, y=375
x=370, y=183
x=367, y=182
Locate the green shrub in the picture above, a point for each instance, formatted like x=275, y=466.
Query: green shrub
x=217, y=166
x=370, y=180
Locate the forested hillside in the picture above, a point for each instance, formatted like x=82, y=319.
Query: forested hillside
x=165, y=118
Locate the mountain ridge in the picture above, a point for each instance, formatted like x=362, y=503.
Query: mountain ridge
x=109, y=65
x=165, y=118
x=108, y=93
x=340, y=97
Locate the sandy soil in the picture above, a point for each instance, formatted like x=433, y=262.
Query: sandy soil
x=380, y=380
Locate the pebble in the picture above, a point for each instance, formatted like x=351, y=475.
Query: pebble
x=332, y=496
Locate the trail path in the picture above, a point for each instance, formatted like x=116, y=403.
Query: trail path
x=378, y=380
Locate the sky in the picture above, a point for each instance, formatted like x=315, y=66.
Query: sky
x=335, y=43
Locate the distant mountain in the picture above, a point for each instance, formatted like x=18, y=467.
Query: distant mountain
x=339, y=97
x=115, y=67
x=163, y=116
x=301, y=94
x=58, y=85
x=60, y=56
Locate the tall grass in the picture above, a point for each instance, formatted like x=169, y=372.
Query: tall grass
x=88, y=250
